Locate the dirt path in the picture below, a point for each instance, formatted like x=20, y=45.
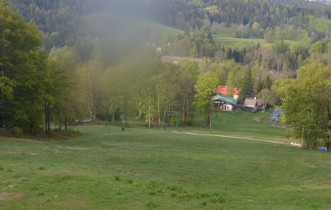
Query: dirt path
x=237, y=137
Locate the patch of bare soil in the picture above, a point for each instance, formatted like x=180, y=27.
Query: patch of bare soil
x=58, y=171
x=72, y=148
x=257, y=119
x=4, y=196
x=237, y=137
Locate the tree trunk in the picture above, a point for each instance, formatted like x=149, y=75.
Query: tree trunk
x=45, y=112
x=158, y=109
x=184, y=122
x=60, y=124
x=187, y=111
x=65, y=123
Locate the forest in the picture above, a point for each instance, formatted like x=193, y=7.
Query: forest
x=65, y=61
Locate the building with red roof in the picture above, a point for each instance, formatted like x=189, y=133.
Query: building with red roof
x=225, y=90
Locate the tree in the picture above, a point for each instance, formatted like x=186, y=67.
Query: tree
x=318, y=47
x=64, y=102
x=256, y=29
x=187, y=80
x=203, y=92
x=268, y=35
x=24, y=75
x=267, y=97
x=308, y=104
x=89, y=74
x=247, y=85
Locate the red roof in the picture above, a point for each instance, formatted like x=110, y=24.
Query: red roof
x=223, y=89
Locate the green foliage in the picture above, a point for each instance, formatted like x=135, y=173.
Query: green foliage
x=307, y=104
x=196, y=45
x=319, y=24
x=204, y=91
x=17, y=131
x=318, y=47
x=247, y=85
x=24, y=76
x=267, y=97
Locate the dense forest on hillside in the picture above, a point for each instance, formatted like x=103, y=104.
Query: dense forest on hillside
x=107, y=24
x=96, y=53
x=60, y=20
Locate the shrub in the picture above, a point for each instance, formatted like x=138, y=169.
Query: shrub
x=17, y=131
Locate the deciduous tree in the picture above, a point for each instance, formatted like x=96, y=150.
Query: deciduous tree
x=204, y=91
x=308, y=104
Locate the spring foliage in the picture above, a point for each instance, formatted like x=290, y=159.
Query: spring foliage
x=308, y=104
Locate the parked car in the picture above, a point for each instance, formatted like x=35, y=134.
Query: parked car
x=87, y=120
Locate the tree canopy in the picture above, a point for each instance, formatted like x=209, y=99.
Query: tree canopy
x=23, y=71
x=308, y=104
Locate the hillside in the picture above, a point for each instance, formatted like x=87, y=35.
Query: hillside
x=60, y=20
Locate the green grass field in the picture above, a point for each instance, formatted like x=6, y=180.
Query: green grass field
x=106, y=168
x=240, y=42
x=241, y=123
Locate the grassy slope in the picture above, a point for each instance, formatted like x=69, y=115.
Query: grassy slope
x=239, y=42
x=160, y=30
x=142, y=169
x=241, y=123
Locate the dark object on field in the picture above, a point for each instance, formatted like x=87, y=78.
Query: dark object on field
x=323, y=149
x=122, y=128
x=275, y=116
x=87, y=120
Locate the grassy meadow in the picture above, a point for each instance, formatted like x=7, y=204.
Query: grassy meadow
x=106, y=168
x=240, y=123
x=241, y=42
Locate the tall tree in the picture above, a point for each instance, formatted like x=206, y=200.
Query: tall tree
x=203, y=92
x=308, y=104
x=267, y=97
x=23, y=72
x=247, y=85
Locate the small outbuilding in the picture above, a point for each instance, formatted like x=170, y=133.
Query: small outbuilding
x=253, y=105
x=275, y=115
x=224, y=103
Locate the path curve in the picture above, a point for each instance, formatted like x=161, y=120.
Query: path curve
x=237, y=137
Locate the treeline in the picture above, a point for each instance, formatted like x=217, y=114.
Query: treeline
x=144, y=82
x=266, y=13
x=38, y=90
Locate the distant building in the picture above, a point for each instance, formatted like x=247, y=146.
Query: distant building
x=275, y=116
x=158, y=49
x=176, y=59
x=224, y=103
x=253, y=105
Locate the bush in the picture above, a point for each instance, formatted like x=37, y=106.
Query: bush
x=17, y=131
x=63, y=134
